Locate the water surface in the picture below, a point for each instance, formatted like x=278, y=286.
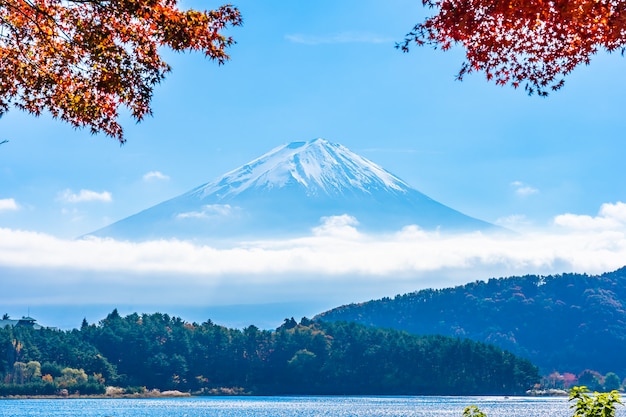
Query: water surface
x=290, y=407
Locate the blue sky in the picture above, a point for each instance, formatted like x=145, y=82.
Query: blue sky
x=548, y=168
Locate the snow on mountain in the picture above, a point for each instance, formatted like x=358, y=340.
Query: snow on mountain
x=287, y=192
x=318, y=166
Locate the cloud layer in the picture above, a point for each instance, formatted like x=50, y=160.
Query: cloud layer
x=335, y=260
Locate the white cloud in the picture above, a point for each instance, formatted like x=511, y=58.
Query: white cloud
x=615, y=211
x=610, y=217
x=210, y=211
x=343, y=37
x=8, y=204
x=69, y=196
x=339, y=226
x=155, y=175
x=523, y=190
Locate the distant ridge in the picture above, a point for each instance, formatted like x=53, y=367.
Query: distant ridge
x=287, y=192
x=567, y=323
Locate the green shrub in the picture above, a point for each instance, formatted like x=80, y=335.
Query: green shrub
x=587, y=404
x=593, y=405
x=473, y=411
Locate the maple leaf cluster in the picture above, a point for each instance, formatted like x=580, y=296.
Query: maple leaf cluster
x=83, y=59
x=531, y=42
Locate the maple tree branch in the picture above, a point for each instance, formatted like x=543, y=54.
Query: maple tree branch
x=20, y=42
x=83, y=59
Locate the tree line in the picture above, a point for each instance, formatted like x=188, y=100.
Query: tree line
x=157, y=351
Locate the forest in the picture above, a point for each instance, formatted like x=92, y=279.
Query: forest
x=570, y=323
x=156, y=351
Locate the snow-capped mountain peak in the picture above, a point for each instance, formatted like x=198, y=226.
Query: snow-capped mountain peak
x=288, y=192
x=321, y=167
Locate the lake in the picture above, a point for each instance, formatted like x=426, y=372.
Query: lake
x=289, y=407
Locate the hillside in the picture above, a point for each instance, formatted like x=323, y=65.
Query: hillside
x=567, y=323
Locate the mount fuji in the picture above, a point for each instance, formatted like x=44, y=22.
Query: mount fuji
x=288, y=192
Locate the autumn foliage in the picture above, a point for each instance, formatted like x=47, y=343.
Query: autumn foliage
x=530, y=42
x=83, y=59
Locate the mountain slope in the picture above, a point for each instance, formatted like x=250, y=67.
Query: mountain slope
x=288, y=191
x=567, y=322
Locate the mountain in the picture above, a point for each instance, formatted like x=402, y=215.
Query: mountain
x=568, y=322
x=289, y=191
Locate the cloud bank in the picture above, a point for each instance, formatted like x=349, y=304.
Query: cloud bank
x=335, y=260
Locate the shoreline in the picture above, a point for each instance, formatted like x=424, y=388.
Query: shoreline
x=149, y=395
x=179, y=394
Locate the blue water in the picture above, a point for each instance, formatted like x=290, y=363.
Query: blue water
x=289, y=407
